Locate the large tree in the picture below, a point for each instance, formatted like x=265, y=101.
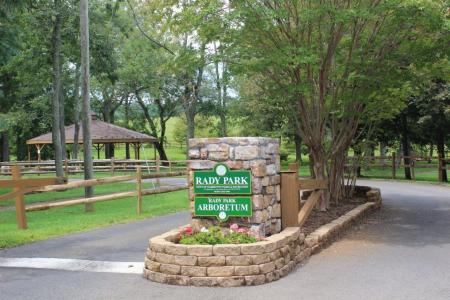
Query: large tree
x=330, y=59
x=85, y=92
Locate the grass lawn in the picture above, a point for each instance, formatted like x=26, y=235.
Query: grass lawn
x=60, y=221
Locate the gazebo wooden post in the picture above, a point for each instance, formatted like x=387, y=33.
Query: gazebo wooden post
x=127, y=150
x=38, y=149
x=139, y=150
x=29, y=153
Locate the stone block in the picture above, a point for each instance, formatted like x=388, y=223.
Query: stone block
x=201, y=164
x=271, y=169
x=218, y=156
x=226, y=250
x=152, y=265
x=267, y=267
x=258, y=168
x=201, y=250
x=255, y=248
x=255, y=280
x=246, y=152
x=193, y=271
x=204, y=281
x=155, y=276
x=239, y=260
x=175, y=249
x=231, y=281
x=170, y=269
x=246, y=270
x=164, y=258
x=194, y=153
x=220, y=271
x=276, y=211
x=211, y=261
x=178, y=280
x=258, y=202
x=185, y=260
x=260, y=258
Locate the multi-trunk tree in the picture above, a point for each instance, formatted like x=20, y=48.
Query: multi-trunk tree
x=330, y=59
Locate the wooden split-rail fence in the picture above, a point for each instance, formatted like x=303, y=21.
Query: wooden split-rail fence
x=22, y=186
x=99, y=165
x=292, y=214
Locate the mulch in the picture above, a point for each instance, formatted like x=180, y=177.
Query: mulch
x=319, y=218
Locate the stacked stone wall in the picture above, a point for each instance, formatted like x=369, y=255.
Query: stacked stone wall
x=262, y=157
x=245, y=264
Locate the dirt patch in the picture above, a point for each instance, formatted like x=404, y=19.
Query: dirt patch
x=319, y=218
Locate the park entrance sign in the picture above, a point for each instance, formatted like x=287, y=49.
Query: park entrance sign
x=222, y=181
x=223, y=207
x=216, y=184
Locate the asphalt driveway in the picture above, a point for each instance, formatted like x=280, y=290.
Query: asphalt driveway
x=401, y=252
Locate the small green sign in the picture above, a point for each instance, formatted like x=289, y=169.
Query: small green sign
x=222, y=181
x=223, y=207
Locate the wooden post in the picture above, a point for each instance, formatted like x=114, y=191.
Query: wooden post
x=158, y=168
x=21, y=218
x=170, y=166
x=112, y=166
x=66, y=169
x=393, y=165
x=290, y=204
x=293, y=167
x=440, y=165
x=139, y=189
x=412, y=163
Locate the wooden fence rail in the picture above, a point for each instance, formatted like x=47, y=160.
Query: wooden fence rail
x=291, y=212
x=101, y=165
x=24, y=186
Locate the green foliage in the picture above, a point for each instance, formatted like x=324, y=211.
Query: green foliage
x=216, y=236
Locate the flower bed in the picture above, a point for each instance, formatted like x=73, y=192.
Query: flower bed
x=217, y=235
x=260, y=262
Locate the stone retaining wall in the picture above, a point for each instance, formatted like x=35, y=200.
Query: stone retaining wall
x=244, y=264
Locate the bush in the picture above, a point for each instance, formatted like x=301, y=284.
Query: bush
x=214, y=235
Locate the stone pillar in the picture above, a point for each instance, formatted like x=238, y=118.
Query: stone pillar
x=258, y=154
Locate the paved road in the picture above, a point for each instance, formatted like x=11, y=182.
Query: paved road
x=402, y=252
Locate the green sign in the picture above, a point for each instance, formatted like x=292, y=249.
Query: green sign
x=223, y=207
x=222, y=181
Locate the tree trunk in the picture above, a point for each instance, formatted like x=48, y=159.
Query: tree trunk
x=4, y=142
x=406, y=154
x=56, y=49
x=221, y=90
x=298, y=147
x=190, y=120
x=159, y=145
x=76, y=111
x=108, y=115
x=319, y=172
x=441, y=154
x=62, y=128
x=85, y=90
x=430, y=158
x=383, y=153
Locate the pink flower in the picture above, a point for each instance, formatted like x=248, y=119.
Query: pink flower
x=234, y=227
x=188, y=230
x=242, y=230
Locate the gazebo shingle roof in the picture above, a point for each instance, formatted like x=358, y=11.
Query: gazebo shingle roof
x=101, y=133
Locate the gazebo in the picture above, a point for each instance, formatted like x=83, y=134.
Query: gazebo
x=102, y=133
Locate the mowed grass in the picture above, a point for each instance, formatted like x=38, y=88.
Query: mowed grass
x=61, y=221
